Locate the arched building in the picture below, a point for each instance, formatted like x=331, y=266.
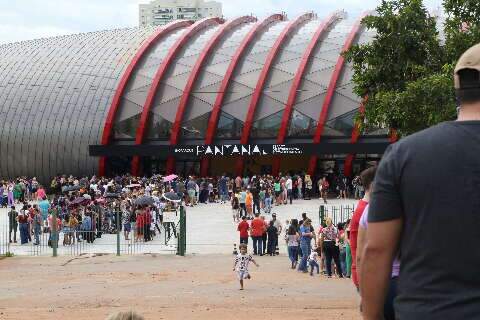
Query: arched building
x=146, y=100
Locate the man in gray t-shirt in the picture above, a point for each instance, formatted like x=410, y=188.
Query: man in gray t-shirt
x=425, y=206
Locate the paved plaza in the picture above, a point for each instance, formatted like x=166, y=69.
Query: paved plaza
x=210, y=230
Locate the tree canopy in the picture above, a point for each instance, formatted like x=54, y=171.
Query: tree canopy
x=407, y=70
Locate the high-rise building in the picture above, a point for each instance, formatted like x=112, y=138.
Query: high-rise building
x=160, y=12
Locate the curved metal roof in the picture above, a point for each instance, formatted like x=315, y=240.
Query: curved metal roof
x=60, y=95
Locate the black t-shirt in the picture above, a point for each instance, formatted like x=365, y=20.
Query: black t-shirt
x=432, y=180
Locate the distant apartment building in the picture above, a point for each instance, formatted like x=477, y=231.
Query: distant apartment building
x=160, y=12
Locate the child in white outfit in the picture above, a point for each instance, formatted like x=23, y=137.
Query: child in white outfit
x=312, y=260
x=241, y=264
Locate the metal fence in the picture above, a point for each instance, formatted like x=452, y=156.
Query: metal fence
x=168, y=238
x=337, y=213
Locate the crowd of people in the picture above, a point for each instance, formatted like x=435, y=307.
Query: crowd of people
x=87, y=207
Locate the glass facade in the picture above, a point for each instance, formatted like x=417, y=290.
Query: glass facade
x=126, y=129
x=344, y=123
x=196, y=128
x=158, y=128
x=301, y=125
x=267, y=127
x=229, y=127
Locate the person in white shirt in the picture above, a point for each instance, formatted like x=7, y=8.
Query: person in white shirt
x=241, y=264
x=289, y=186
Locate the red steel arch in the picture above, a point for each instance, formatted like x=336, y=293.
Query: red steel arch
x=217, y=107
x=166, y=63
x=206, y=52
x=292, y=97
x=331, y=90
x=263, y=78
x=347, y=169
x=147, y=45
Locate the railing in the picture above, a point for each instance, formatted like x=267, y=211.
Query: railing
x=337, y=213
x=108, y=238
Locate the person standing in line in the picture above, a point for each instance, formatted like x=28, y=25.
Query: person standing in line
x=277, y=188
x=243, y=227
x=388, y=311
x=242, y=199
x=324, y=187
x=238, y=184
x=241, y=264
x=264, y=235
x=37, y=226
x=342, y=249
x=23, y=224
x=11, y=199
x=348, y=252
x=257, y=229
x=412, y=203
x=255, y=197
x=330, y=247
x=249, y=203
x=41, y=193
x=127, y=227
x=308, y=187
x=289, y=187
x=292, y=245
x=306, y=236
x=268, y=201
x=223, y=189
x=272, y=233
x=191, y=190
x=235, y=208
x=44, y=206
x=300, y=187
x=366, y=177
x=277, y=225
x=12, y=224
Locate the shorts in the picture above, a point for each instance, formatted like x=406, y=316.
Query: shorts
x=127, y=227
x=243, y=275
x=191, y=194
x=277, y=193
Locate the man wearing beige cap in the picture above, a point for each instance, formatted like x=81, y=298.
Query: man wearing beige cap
x=425, y=207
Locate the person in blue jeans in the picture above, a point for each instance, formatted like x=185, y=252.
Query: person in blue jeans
x=306, y=236
x=292, y=243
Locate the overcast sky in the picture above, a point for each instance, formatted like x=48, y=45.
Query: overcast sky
x=31, y=19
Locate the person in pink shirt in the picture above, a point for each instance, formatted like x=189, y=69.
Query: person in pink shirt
x=41, y=193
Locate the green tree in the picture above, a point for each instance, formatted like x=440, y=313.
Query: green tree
x=462, y=26
x=407, y=71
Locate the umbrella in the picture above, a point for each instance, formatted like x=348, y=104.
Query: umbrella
x=100, y=200
x=112, y=195
x=134, y=185
x=172, y=196
x=145, y=201
x=170, y=178
x=70, y=188
x=78, y=200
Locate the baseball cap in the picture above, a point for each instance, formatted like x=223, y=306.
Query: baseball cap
x=470, y=60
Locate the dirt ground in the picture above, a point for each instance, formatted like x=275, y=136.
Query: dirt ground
x=167, y=287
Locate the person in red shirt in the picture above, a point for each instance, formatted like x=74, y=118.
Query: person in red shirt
x=366, y=178
x=257, y=229
x=243, y=227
